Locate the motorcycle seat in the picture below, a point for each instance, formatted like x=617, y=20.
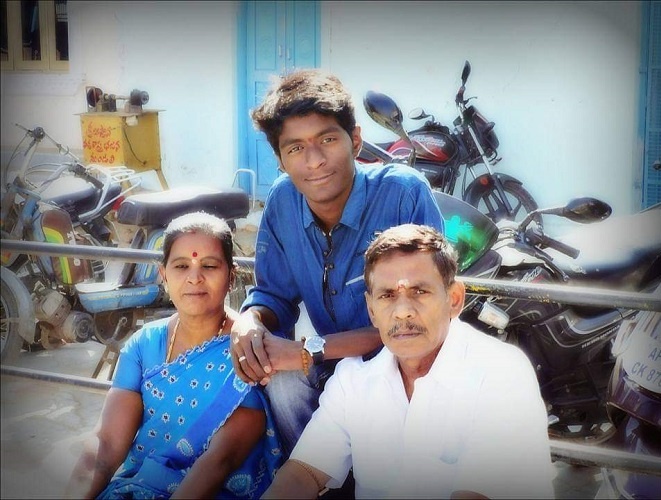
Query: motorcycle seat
x=159, y=208
x=619, y=252
x=77, y=196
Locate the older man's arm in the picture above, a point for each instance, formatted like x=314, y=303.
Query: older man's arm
x=297, y=479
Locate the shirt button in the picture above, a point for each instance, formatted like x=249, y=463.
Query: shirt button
x=333, y=292
x=325, y=253
x=331, y=266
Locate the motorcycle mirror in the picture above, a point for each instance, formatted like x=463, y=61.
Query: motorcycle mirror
x=384, y=111
x=465, y=72
x=587, y=210
x=583, y=210
x=418, y=114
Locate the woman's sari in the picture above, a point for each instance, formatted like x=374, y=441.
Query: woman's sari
x=185, y=402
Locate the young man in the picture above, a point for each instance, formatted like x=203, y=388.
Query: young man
x=317, y=223
x=444, y=411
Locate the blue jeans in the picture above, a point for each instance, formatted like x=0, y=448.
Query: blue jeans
x=294, y=397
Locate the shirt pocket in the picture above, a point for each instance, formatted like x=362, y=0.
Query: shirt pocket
x=355, y=285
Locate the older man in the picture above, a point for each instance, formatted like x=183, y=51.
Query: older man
x=444, y=411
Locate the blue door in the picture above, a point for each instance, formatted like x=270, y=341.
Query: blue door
x=274, y=38
x=650, y=129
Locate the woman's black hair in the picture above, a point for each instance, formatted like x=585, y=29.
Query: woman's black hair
x=203, y=223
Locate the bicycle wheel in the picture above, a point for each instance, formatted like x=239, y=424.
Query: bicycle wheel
x=486, y=199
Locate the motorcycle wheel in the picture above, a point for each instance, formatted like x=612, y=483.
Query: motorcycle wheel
x=588, y=433
x=487, y=200
x=10, y=312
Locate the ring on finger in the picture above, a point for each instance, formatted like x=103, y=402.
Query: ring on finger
x=242, y=359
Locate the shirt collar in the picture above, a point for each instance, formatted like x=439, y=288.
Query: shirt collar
x=444, y=367
x=449, y=358
x=354, y=207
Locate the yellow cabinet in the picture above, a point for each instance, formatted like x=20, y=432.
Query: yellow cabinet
x=119, y=138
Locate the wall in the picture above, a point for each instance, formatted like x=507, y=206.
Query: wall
x=182, y=53
x=560, y=80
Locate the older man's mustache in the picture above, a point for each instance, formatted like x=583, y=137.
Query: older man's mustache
x=406, y=326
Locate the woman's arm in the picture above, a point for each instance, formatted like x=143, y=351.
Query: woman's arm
x=112, y=438
x=229, y=448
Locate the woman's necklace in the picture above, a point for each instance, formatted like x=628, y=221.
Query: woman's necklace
x=174, y=336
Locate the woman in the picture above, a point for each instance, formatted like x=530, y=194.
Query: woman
x=177, y=421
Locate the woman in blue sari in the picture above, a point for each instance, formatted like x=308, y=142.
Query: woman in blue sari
x=177, y=421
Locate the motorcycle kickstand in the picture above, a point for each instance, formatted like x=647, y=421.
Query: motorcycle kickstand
x=111, y=352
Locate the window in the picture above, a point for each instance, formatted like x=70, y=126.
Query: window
x=34, y=35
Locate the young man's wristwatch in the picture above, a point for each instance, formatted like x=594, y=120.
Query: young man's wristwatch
x=314, y=345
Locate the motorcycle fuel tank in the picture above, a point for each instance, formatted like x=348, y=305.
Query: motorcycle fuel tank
x=431, y=145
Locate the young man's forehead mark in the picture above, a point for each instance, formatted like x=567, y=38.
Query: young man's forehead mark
x=194, y=254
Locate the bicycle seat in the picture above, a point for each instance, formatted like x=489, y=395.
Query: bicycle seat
x=77, y=196
x=159, y=208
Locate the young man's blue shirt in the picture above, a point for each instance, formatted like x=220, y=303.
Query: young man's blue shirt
x=293, y=254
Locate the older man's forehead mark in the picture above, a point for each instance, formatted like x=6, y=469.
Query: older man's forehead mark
x=403, y=283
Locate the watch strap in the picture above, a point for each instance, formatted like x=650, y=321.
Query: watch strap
x=318, y=357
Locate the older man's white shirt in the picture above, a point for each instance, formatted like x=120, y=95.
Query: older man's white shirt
x=475, y=422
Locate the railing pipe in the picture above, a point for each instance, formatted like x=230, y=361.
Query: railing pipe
x=573, y=453
x=601, y=456
x=94, y=252
x=562, y=294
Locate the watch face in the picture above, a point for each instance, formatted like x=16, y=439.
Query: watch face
x=314, y=344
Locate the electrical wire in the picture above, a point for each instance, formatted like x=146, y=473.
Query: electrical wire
x=128, y=141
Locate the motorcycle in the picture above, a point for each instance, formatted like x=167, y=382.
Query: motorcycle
x=48, y=301
x=634, y=403
x=569, y=345
x=87, y=194
x=438, y=153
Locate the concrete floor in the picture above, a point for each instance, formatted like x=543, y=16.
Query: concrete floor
x=45, y=423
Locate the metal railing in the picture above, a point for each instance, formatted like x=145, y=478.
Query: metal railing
x=562, y=294
x=570, y=452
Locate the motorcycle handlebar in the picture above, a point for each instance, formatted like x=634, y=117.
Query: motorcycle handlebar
x=560, y=247
x=81, y=172
x=459, y=99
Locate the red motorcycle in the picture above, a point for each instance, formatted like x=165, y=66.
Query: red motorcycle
x=439, y=153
